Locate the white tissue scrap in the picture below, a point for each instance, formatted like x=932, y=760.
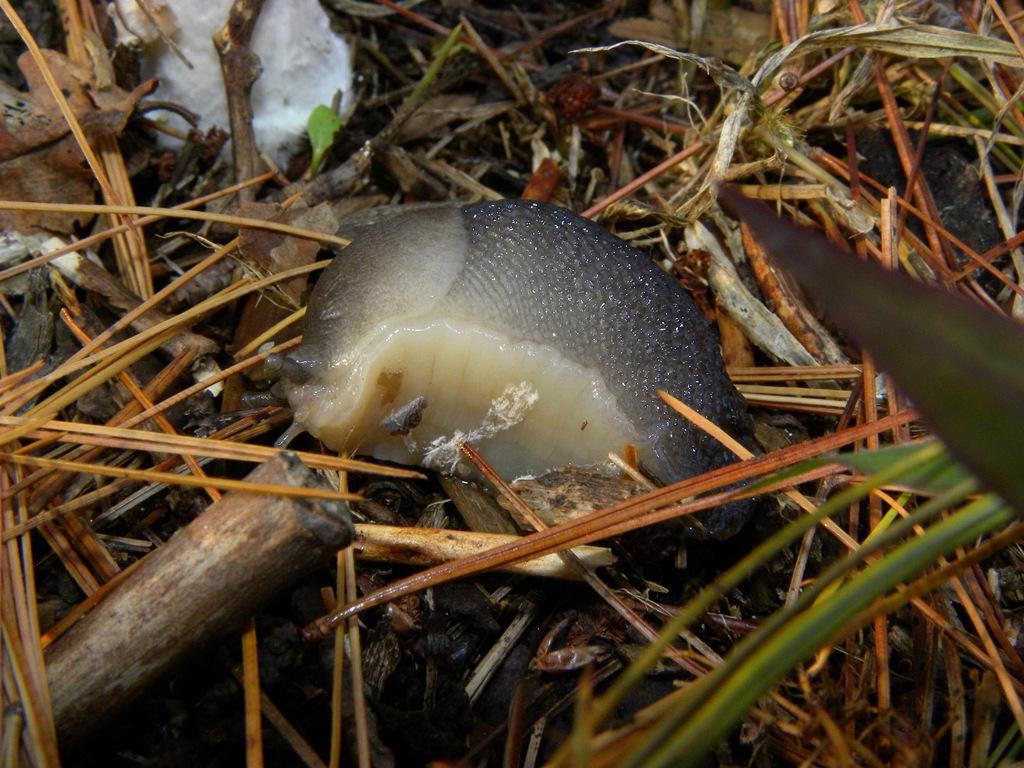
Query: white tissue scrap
x=507, y=409
x=304, y=63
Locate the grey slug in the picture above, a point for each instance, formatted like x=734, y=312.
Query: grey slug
x=521, y=327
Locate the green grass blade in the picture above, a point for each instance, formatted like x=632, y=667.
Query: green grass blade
x=936, y=476
x=730, y=691
x=924, y=455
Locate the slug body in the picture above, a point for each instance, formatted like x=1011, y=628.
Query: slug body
x=520, y=327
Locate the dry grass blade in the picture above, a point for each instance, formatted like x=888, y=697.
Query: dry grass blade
x=144, y=440
x=101, y=237
x=926, y=42
x=825, y=401
x=912, y=40
x=180, y=213
x=173, y=478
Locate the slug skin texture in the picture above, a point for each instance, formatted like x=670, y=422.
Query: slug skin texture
x=521, y=327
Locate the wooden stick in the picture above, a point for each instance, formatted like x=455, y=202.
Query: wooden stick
x=201, y=585
x=241, y=67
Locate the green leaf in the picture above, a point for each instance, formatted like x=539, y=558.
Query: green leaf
x=322, y=126
x=961, y=364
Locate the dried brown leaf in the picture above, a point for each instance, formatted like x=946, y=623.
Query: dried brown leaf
x=39, y=158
